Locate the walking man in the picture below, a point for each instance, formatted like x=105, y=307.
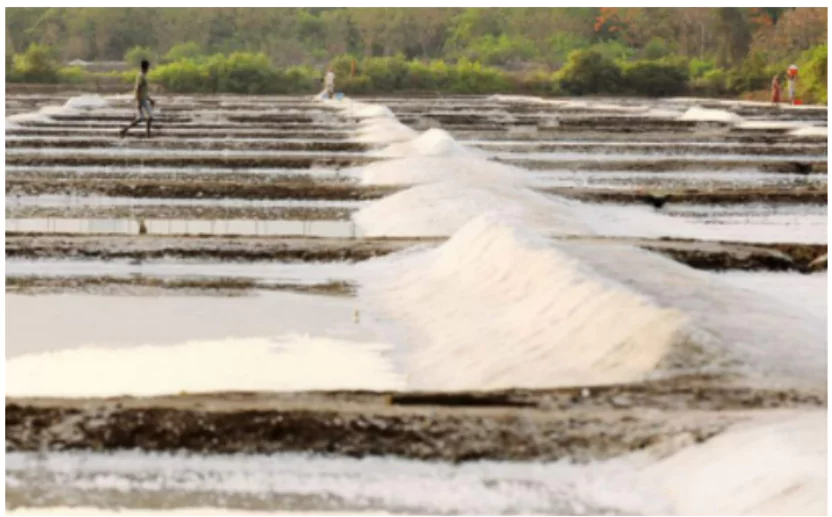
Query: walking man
x=329, y=83
x=143, y=101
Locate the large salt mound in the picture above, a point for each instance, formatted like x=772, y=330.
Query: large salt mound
x=86, y=102
x=433, y=142
x=775, y=465
x=710, y=115
x=415, y=170
x=384, y=131
x=499, y=306
x=440, y=209
x=364, y=110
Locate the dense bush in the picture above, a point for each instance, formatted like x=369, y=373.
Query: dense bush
x=135, y=55
x=73, y=75
x=814, y=74
x=755, y=73
x=586, y=72
x=714, y=83
x=659, y=78
x=501, y=50
x=589, y=72
x=656, y=48
x=699, y=67
x=36, y=65
x=188, y=50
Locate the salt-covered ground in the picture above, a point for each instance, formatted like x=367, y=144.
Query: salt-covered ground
x=498, y=305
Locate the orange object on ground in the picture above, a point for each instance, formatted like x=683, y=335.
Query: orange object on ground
x=798, y=102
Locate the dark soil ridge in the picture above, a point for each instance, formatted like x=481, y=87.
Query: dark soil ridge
x=669, y=149
x=712, y=256
x=184, y=189
x=166, y=118
x=214, y=213
x=217, y=126
x=177, y=143
x=154, y=286
x=809, y=194
x=285, y=249
x=220, y=133
x=582, y=424
x=590, y=136
x=333, y=161
x=803, y=150
x=254, y=186
x=802, y=166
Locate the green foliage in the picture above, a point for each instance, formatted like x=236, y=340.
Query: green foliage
x=135, y=55
x=588, y=72
x=387, y=73
x=657, y=78
x=656, y=48
x=699, y=67
x=501, y=50
x=814, y=74
x=180, y=51
x=753, y=74
x=713, y=83
x=182, y=76
x=36, y=65
x=613, y=50
x=73, y=75
x=245, y=50
x=561, y=44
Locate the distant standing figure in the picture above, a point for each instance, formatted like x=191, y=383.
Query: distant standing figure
x=143, y=101
x=775, y=90
x=791, y=77
x=329, y=83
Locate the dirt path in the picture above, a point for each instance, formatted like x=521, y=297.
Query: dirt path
x=699, y=254
x=578, y=423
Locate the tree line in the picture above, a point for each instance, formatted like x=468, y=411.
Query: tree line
x=648, y=51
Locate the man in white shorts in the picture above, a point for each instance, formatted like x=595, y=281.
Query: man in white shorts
x=329, y=83
x=143, y=101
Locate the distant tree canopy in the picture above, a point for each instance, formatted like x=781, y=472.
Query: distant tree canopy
x=719, y=49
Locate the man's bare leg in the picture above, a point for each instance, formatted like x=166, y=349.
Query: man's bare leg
x=127, y=128
x=149, y=121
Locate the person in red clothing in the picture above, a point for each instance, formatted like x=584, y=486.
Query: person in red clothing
x=775, y=90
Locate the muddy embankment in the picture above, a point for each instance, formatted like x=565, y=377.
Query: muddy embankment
x=231, y=133
x=179, y=144
x=714, y=256
x=265, y=187
x=190, y=189
x=142, y=285
x=552, y=424
x=217, y=212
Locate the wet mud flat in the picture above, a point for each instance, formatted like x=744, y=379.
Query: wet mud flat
x=706, y=255
x=581, y=423
x=151, y=286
